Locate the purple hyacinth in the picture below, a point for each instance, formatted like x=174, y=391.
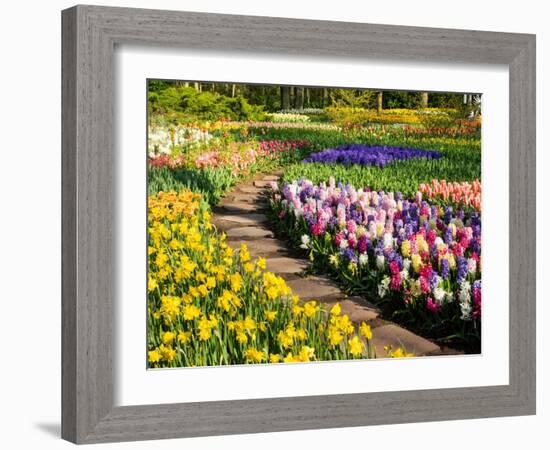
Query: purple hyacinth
x=349, y=254
x=448, y=236
x=366, y=155
x=462, y=268
x=444, y=269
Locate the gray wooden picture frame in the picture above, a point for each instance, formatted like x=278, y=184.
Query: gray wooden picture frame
x=90, y=34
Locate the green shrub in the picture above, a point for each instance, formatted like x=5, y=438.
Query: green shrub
x=186, y=103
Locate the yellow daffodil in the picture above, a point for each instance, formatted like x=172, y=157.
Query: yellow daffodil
x=355, y=346
x=366, y=331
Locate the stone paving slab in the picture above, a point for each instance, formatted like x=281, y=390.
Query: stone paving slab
x=285, y=265
x=396, y=336
x=249, y=232
x=250, y=189
x=250, y=198
x=262, y=183
x=314, y=288
x=270, y=178
x=242, y=207
x=243, y=219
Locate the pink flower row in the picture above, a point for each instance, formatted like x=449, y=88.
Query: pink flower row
x=465, y=193
x=274, y=147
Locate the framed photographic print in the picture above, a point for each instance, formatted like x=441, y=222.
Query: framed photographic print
x=266, y=230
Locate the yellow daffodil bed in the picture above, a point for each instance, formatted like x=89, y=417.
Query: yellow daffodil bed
x=211, y=305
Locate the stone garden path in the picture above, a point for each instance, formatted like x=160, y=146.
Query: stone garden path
x=241, y=214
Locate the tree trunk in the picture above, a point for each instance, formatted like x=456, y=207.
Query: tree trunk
x=325, y=97
x=285, y=97
x=424, y=100
x=379, y=100
x=298, y=98
x=233, y=89
x=307, y=98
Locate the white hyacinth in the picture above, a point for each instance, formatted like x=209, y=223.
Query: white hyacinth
x=363, y=259
x=464, y=298
x=388, y=240
x=305, y=241
x=383, y=287
x=439, y=294
x=380, y=260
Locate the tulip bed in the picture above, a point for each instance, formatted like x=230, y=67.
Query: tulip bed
x=212, y=169
x=465, y=194
x=211, y=305
x=420, y=261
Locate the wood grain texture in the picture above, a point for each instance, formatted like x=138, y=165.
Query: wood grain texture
x=89, y=36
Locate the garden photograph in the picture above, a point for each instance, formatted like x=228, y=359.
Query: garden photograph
x=294, y=224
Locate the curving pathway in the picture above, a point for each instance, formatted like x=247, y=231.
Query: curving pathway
x=241, y=214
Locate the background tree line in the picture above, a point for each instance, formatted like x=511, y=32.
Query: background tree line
x=178, y=95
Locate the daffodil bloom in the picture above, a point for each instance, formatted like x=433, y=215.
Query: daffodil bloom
x=152, y=284
x=399, y=353
x=191, y=312
x=184, y=337
x=154, y=356
x=261, y=263
x=306, y=353
x=168, y=337
x=366, y=331
x=310, y=308
x=290, y=358
x=167, y=352
x=255, y=356
x=355, y=346
x=334, y=336
x=236, y=282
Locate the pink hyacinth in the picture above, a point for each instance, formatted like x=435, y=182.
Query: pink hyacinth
x=432, y=306
x=362, y=244
x=395, y=282
x=351, y=226
x=394, y=268
x=318, y=229
x=424, y=285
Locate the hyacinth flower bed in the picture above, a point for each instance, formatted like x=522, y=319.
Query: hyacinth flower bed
x=421, y=262
x=366, y=155
x=211, y=305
